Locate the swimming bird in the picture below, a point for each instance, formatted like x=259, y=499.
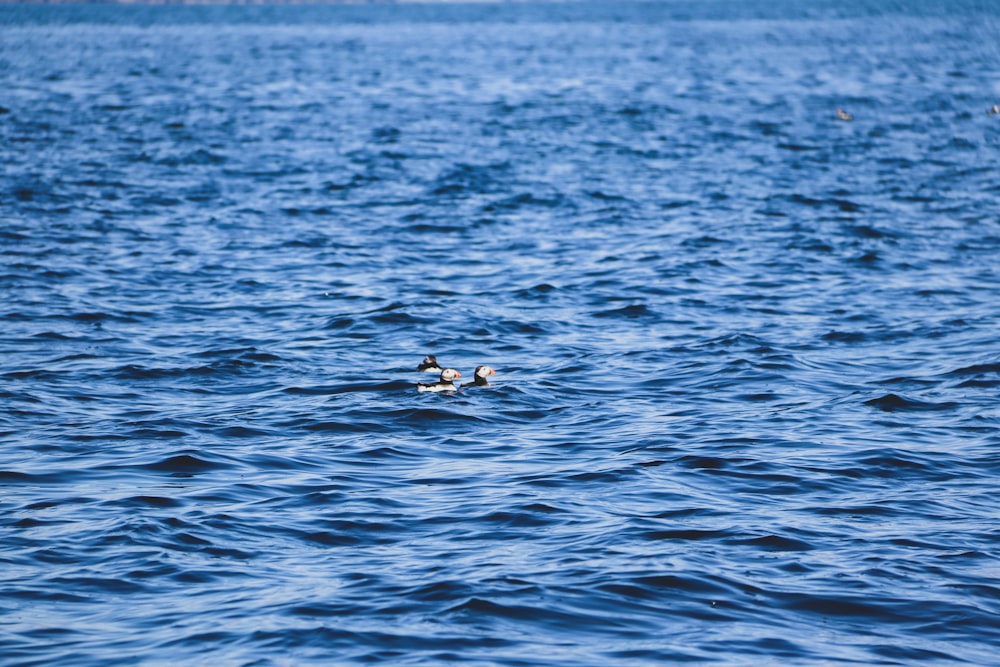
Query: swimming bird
x=843, y=115
x=445, y=383
x=429, y=365
x=480, y=377
x=994, y=110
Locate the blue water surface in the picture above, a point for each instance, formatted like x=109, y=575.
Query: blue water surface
x=748, y=370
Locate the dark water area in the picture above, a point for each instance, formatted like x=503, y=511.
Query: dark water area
x=748, y=370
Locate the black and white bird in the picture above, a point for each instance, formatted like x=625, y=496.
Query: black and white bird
x=482, y=372
x=429, y=365
x=446, y=383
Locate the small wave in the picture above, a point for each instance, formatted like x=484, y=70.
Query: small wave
x=186, y=464
x=197, y=157
x=435, y=228
x=896, y=403
x=797, y=148
x=221, y=367
x=867, y=259
x=775, y=543
x=601, y=196
x=32, y=374
x=654, y=586
x=904, y=381
x=687, y=535
x=430, y=416
x=99, y=317
x=355, y=425
x=546, y=615
x=386, y=135
x=987, y=384
x=325, y=610
x=339, y=323
x=242, y=432
x=518, y=519
x=632, y=312
x=471, y=179
x=295, y=211
x=846, y=336
x=158, y=433
x=538, y=291
x=526, y=200
x=866, y=609
x=898, y=464
x=842, y=205
x=106, y=585
x=399, y=317
x=332, y=390
x=148, y=202
x=52, y=335
x=387, y=453
x=977, y=369
x=356, y=181
x=16, y=477
x=147, y=501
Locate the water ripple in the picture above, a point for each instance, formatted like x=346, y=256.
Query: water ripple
x=744, y=406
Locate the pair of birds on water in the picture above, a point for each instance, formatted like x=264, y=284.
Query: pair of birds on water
x=449, y=375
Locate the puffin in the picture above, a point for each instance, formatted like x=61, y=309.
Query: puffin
x=429, y=365
x=446, y=383
x=843, y=115
x=480, y=377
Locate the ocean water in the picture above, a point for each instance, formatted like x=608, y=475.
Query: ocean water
x=746, y=402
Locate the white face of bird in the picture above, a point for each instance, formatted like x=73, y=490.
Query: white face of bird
x=483, y=371
x=449, y=374
x=430, y=360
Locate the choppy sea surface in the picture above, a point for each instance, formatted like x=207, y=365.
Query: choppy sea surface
x=747, y=401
